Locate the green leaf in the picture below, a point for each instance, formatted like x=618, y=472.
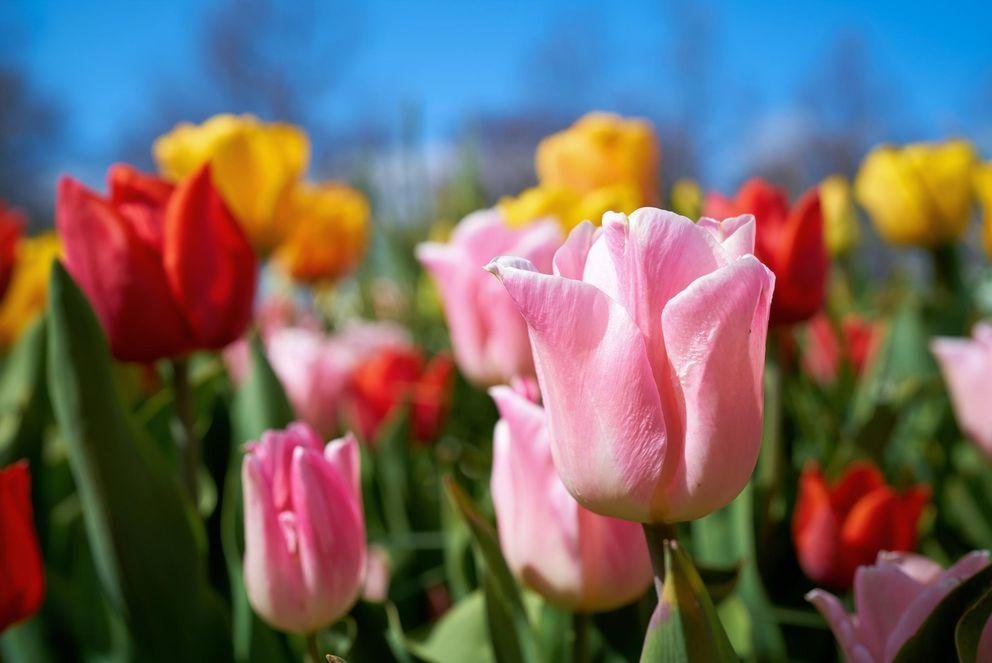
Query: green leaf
x=685, y=625
x=720, y=581
x=511, y=633
x=140, y=526
x=22, y=397
x=936, y=636
x=259, y=405
x=968, y=632
x=460, y=635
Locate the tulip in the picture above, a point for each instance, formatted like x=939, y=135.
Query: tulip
x=305, y=550
x=22, y=573
x=649, y=341
x=601, y=149
x=983, y=191
x=328, y=232
x=967, y=368
x=840, y=221
x=568, y=208
x=789, y=241
x=858, y=342
x=838, y=528
x=920, y=194
x=11, y=226
x=394, y=377
x=574, y=558
x=255, y=167
x=167, y=270
x=686, y=197
x=489, y=336
x=892, y=599
x=27, y=292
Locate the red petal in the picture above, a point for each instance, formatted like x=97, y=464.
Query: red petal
x=22, y=576
x=801, y=264
x=815, y=529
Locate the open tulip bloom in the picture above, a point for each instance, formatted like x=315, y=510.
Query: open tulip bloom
x=649, y=340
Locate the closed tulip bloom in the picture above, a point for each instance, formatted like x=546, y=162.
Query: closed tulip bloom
x=27, y=291
x=601, y=149
x=983, y=191
x=839, y=527
x=167, y=269
x=569, y=208
x=574, y=558
x=305, y=545
x=826, y=351
x=966, y=364
x=487, y=333
x=649, y=340
x=22, y=573
x=328, y=232
x=395, y=377
x=920, y=194
x=840, y=221
x=789, y=241
x=892, y=599
x=255, y=167
x=11, y=226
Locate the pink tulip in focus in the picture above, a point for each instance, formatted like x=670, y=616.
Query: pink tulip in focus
x=574, y=558
x=304, y=528
x=488, y=334
x=649, y=341
x=892, y=599
x=967, y=368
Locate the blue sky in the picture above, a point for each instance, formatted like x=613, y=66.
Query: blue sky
x=100, y=61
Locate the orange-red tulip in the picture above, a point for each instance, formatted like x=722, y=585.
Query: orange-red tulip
x=22, y=575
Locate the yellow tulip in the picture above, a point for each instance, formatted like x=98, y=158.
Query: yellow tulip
x=600, y=150
x=567, y=207
x=918, y=195
x=28, y=290
x=329, y=230
x=687, y=198
x=840, y=221
x=983, y=191
x=254, y=166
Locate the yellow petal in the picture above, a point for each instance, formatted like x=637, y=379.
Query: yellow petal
x=983, y=192
x=28, y=290
x=840, y=221
x=536, y=203
x=687, y=198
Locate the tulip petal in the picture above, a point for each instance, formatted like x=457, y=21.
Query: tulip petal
x=815, y=529
x=210, y=265
x=605, y=414
x=841, y=624
x=122, y=277
x=736, y=233
x=343, y=454
x=802, y=262
x=715, y=332
x=966, y=365
x=570, y=259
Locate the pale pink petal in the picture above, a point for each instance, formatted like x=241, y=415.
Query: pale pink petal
x=377, y=575
x=570, y=259
x=736, y=234
x=967, y=368
x=842, y=625
x=607, y=426
x=715, y=334
x=615, y=561
x=344, y=456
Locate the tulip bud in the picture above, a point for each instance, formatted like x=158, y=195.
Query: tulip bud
x=305, y=549
x=574, y=558
x=892, y=599
x=255, y=167
x=488, y=335
x=687, y=198
x=166, y=269
x=983, y=191
x=825, y=352
x=22, y=574
x=967, y=368
x=789, y=242
x=649, y=342
x=600, y=150
x=920, y=194
x=11, y=226
x=838, y=528
x=27, y=291
x=840, y=221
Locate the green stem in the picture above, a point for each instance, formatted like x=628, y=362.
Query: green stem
x=580, y=637
x=657, y=534
x=313, y=651
x=186, y=439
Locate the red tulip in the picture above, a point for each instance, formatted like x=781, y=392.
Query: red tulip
x=789, y=242
x=11, y=226
x=396, y=376
x=838, y=528
x=167, y=269
x=22, y=575
x=822, y=355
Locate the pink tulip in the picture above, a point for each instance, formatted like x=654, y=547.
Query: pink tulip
x=891, y=600
x=967, y=368
x=304, y=528
x=488, y=335
x=573, y=557
x=649, y=341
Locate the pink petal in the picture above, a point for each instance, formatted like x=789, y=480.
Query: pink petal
x=841, y=624
x=967, y=368
x=736, y=234
x=343, y=455
x=715, y=334
x=570, y=259
x=607, y=426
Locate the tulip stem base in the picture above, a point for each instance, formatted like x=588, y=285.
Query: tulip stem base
x=186, y=439
x=657, y=534
x=580, y=637
x=313, y=651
